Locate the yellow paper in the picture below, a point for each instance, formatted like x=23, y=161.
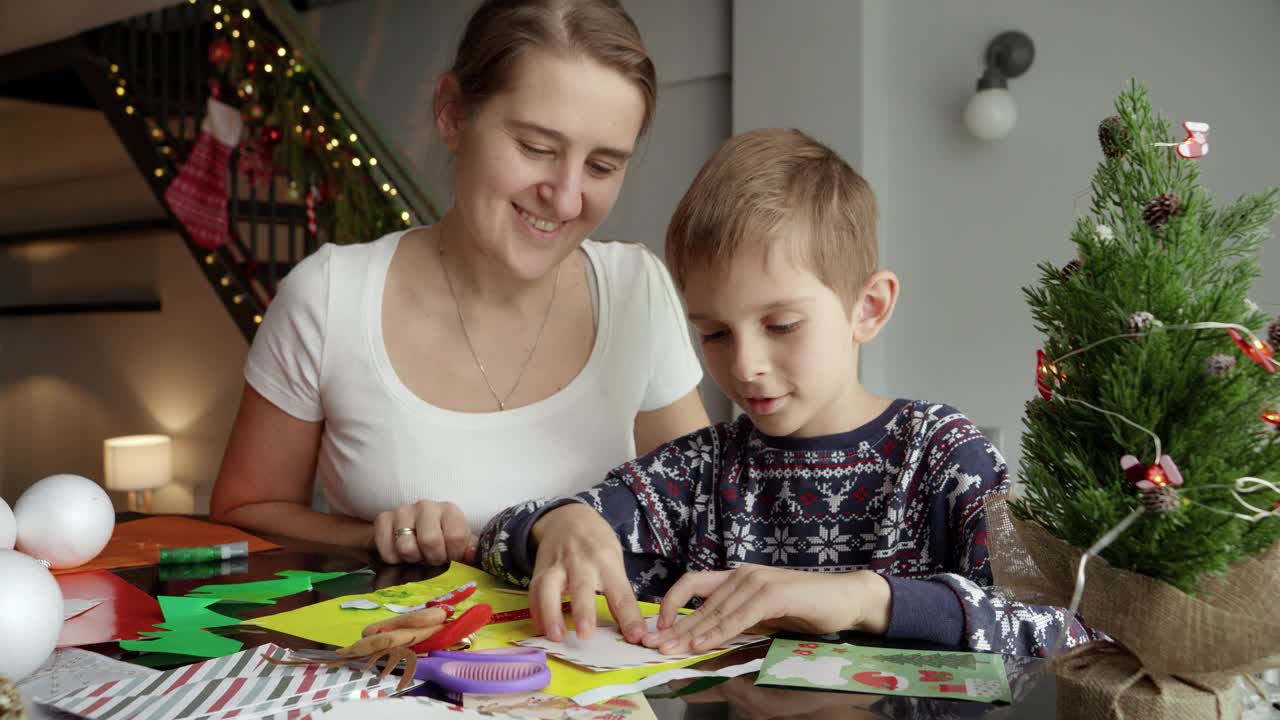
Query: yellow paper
x=328, y=622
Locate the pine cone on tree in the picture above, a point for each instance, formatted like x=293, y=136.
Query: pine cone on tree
x=1219, y=364
x=1113, y=136
x=1070, y=269
x=1161, y=500
x=1273, y=333
x=1160, y=209
x=11, y=707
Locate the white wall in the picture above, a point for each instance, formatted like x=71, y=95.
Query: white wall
x=389, y=52
x=67, y=382
x=965, y=222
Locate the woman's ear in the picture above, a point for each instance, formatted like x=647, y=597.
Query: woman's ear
x=448, y=110
x=875, y=305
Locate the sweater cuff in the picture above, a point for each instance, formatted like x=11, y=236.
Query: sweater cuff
x=924, y=610
x=522, y=535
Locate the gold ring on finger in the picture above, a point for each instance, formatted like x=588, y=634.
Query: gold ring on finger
x=399, y=532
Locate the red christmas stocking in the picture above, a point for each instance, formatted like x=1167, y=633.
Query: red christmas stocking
x=198, y=196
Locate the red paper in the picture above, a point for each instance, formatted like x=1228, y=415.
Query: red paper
x=138, y=542
x=124, y=610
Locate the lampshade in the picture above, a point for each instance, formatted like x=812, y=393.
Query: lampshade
x=990, y=114
x=136, y=462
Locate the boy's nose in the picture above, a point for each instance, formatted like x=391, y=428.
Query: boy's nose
x=750, y=360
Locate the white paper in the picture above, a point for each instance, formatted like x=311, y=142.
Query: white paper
x=608, y=650
x=75, y=606
x=401, y=708
x=360, y=604
x=403, y=608
x=600, y=694
x=71, y=668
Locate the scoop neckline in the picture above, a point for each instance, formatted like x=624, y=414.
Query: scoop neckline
x=372, y=311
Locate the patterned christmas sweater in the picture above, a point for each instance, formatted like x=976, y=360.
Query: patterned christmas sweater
x=901, y=496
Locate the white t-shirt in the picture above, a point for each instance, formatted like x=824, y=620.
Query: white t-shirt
x=319, y=355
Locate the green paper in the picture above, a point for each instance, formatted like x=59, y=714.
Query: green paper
x=191, y=642
x=264, y=591
x=191, y=613
x=315, y=577
x=951, y=675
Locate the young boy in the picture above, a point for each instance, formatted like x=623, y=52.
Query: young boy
x=824, y=508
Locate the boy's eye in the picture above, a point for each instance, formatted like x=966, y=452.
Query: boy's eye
x=784, y=329
x=602, y=170
x=713, y=336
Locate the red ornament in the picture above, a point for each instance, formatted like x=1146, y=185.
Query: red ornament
x=1149, y=477
x=219, y=52
x=1254, y=349
x=1047, y=375
x=250, y=67
x=271, y=135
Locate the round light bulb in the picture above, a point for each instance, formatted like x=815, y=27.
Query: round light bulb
x=990, y=114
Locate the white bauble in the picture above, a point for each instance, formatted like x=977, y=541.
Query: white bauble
x=30, y=614
x=8, y=526
x=65, y=520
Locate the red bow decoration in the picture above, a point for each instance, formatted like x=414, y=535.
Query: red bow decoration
x=1272, y=417
x=1254, y=349
x=1149, y=477
x=1047, y=375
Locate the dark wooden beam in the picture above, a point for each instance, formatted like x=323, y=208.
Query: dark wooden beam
x=89, y=231
x=81, y=308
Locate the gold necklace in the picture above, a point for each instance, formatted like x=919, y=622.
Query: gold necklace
x=502, y=401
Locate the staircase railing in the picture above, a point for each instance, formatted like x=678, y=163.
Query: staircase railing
x=151, y=75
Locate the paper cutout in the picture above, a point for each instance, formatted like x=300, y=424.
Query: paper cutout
x=191, y=613
x=886, y=671
x=402, y=609
x=263, y=592
x=360, y=604
x=124, y=609
x=194, y=642
x=244, y=685
x=400, y=708
x=608, y=650
x=327, y=622
x=600, y=694
x=72, y=607
x=315, y=577
x=137, y=543
x=541, y=706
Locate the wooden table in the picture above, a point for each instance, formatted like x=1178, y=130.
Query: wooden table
x=739, y=697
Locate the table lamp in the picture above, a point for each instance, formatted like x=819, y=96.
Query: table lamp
x=137, y=463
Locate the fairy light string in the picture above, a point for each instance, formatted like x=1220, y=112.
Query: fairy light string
x=1049, y=378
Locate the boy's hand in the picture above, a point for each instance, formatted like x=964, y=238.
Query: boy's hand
x=578, y=553
x=807, y=602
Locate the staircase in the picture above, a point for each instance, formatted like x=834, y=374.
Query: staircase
x=149, y=78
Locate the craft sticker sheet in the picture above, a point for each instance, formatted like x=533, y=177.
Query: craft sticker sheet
x=608, y=650
x=245, y=686
x=886, y=671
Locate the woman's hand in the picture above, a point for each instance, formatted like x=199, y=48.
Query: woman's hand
x=579, y=553
x=440, y=534
x=806, y=602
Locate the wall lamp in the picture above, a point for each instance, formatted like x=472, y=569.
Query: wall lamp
x=991, y=113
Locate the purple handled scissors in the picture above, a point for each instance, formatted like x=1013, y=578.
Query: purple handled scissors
x=488, y=672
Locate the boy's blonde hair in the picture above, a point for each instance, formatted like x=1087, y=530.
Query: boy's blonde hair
x=760, y=185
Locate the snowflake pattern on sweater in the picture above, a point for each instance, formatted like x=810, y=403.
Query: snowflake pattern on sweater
x=901, y=496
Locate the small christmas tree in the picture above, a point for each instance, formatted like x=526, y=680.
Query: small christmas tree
x=1153, y=443
x=1154, y=258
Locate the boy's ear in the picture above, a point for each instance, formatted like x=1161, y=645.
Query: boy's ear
x=448, y=110
x=875, y=305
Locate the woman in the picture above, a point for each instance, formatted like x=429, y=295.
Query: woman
x=434, y=376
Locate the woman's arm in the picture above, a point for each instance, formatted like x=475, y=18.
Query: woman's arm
x=267, y=475
x=665, y=424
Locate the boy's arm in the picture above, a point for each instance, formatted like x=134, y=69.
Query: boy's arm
x=648, y=502
x=962, y=608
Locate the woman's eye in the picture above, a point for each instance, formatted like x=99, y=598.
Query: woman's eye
x=535, y=150
x=712, y=337
x=602, y=170
x=784, y=329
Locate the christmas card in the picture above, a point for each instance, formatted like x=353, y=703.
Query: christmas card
x=886, y=671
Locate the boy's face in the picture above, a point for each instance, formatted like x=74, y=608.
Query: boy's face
x=778, y=342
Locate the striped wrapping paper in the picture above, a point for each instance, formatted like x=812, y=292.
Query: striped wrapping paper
x=243, y=686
